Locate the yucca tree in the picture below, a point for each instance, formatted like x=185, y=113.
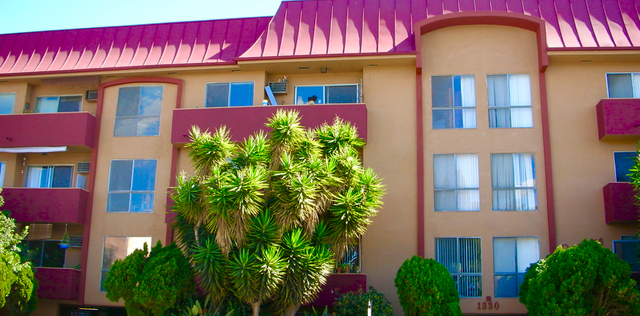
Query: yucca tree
x=266, y=219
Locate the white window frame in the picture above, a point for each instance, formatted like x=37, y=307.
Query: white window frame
x=324, y=93
x=36, y=109
x=635, y=84
x=129, y=251
x=516, y=197
x=2, y=168
x=50, y=180
x=131, y=191
x=139, y=116
x=511, y=107
x=519, y=273
x=467, y=108
x=14, y=102
x=229, y=84
x=473, y=190
x=460, y=277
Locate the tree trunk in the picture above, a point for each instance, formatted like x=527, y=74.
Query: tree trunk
x=291, y=310
x=255, y=307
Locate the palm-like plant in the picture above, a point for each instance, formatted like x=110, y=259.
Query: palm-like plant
x=268, y=217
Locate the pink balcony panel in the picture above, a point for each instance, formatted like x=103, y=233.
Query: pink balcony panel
x=47, y=129
x=50, y=205
x=244, y=121
x=618, y=119
x=620, y=203
x=338, y=284
x=58, y=283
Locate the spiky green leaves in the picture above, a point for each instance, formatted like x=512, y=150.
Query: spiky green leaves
x=207, y=150
x=211, y=266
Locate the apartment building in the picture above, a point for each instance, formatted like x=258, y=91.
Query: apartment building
x=502, y=129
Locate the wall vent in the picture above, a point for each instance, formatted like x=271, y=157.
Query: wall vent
x=278, y=87
x=92, y=95
x=75, y=241
x=83, y=167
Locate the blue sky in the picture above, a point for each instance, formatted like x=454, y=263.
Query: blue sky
x=17, y=16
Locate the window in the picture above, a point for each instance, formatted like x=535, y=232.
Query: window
x=627, y=249
x=131, y=186
x=119, y=248
x=223, y=94
x=456, y=182
x=453, y=100
x=511, y=258
x=325, y=94
x=509, y=101
x=58, y=104
x=625, y=85
x=45, y=253
x=2, y=167
x=624, y=161
x=463, y=258
x=513, y=181
x=49, y=177
x=6, y=102
x=138, y=112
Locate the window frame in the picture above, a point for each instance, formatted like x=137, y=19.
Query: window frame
x=229, y=85
x=494, y=188
x=12, y=106
x=50, y=181
x=138, y=116
x=41, y=252
x=633, y=92
x=457, y=189
x=2, y=168
x=510, y=106
x=516, y=274
x=615, y=165
x=36, y=108
x=458, y=263
x=452, y=104
x=131, y=191
x=324, y=93
x=104, y=239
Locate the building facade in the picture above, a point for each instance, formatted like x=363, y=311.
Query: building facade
x=502, y=129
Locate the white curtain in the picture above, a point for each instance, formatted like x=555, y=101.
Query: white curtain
x=468, y=98
x=37, y=177
x=47, y=105
x=636, y=85
x=513, y=182
x=509, y=101
x=520, y=99
x=456, y=181
x=528, y=252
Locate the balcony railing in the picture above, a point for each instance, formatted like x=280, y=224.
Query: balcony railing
x=58, y=283
x=620, y=203
x=46, y=205
x=244, y=121
x=338, y=284
x=618, y=119
x=47, y=129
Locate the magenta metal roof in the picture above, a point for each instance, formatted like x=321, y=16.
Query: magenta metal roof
x=141, y=46
x=310, y=28
x=338, y=27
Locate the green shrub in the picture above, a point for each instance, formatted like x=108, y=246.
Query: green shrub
x=586, y=279
x=426, y=288
x=356, y=303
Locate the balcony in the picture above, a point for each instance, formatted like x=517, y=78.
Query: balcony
x=619, y=203
x=338, y=284
x=618, y=119
x=50, y=205
x=244, y=121
x=58, y=283
x=48, y=130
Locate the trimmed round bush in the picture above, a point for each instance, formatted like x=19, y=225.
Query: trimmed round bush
x=586, y=279
x=426, y=288
x=356, y=303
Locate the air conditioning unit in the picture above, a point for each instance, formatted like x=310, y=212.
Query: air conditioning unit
x=83, y=167
x=278, y=87
x=92, y=95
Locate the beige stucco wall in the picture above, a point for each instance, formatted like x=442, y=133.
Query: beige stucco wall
x=481, y=50
x=582, y=164
x=127, y=224
x=389, y=93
